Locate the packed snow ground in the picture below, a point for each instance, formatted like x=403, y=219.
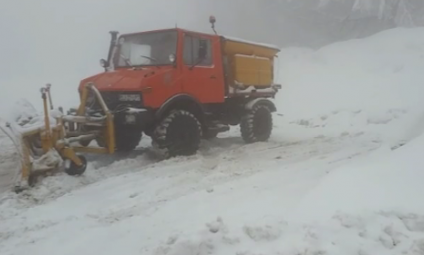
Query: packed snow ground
x=342, y=173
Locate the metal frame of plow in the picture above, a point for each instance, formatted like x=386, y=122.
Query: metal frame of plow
x=44, y=147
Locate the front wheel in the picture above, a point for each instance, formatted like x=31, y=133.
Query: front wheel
x=74, y=170
x=256, y=124
x=127, y=138
x=179, y=133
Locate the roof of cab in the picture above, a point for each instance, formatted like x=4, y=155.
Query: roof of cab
x=230, y=38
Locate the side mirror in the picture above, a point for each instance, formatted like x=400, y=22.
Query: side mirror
x=172, y=59
x=103, y=63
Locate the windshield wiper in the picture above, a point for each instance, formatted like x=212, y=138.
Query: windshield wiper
x=150, y=58
x=127, y=60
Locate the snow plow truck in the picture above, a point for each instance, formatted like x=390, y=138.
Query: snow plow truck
x=179, y=86
x=173, y=85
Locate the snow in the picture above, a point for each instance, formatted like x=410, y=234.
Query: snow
x=241, y=89
x=25, y=118
x=235, y=39
x=22, y=112
x=50, y=160
x=22, y=119
x=388, y=181
x=135, y=110
x=340, y=175
x=8, y=159
x=389, y=68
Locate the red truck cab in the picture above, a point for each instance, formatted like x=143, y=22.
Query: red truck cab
x=176, y=71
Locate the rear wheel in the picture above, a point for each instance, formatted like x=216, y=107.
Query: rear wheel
x=179, y=133
x=256, y=125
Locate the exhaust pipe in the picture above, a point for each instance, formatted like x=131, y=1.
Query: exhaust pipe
x=114, y=36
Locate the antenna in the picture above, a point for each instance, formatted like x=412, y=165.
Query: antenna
x=212, y=20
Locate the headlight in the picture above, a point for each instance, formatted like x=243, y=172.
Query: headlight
x=103, y=63
x=172, y=58
x=129, y=98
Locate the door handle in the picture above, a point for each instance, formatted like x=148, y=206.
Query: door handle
x=213, y=77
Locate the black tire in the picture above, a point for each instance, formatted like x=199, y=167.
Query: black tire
x=256, y=125
x=179, y=134
x=74, y=170
x=127, y=138
x=84, y=143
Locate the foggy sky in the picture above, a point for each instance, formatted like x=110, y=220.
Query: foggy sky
x=61, y=41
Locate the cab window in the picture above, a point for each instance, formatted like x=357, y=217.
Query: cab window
x=197, y=51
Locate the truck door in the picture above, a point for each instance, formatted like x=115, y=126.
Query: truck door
x=202, y=68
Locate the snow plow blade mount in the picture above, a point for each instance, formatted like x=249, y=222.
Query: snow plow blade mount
x=50, y=145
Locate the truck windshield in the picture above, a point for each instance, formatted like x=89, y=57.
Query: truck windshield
x=151, y=48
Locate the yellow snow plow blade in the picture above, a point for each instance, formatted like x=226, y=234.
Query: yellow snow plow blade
x=48, y=143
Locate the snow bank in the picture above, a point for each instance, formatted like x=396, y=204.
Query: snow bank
x=368, y=206
x=374, y=85
x=383, y=233
x=24, y=117
x=386, y=181
x=371, y=206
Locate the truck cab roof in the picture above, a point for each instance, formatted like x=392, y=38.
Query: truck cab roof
x=225, y=37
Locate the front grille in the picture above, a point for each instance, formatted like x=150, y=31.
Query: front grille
x=112, y=101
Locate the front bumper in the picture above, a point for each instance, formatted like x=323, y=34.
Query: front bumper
x=126, y=106
x=138, y=117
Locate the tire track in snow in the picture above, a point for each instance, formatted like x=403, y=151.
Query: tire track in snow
x=217, y=168
x=142, y=190
x=220, y=161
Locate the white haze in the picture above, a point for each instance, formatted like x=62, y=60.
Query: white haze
x=61, y=41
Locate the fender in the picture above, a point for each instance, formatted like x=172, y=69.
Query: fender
x=251, y=104
x=181, y=99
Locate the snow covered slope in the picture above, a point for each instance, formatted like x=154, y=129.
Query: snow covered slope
x=341, y=175
x=373, y=85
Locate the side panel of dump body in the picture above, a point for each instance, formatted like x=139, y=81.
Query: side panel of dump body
x=249, y=64
x=252, y=70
